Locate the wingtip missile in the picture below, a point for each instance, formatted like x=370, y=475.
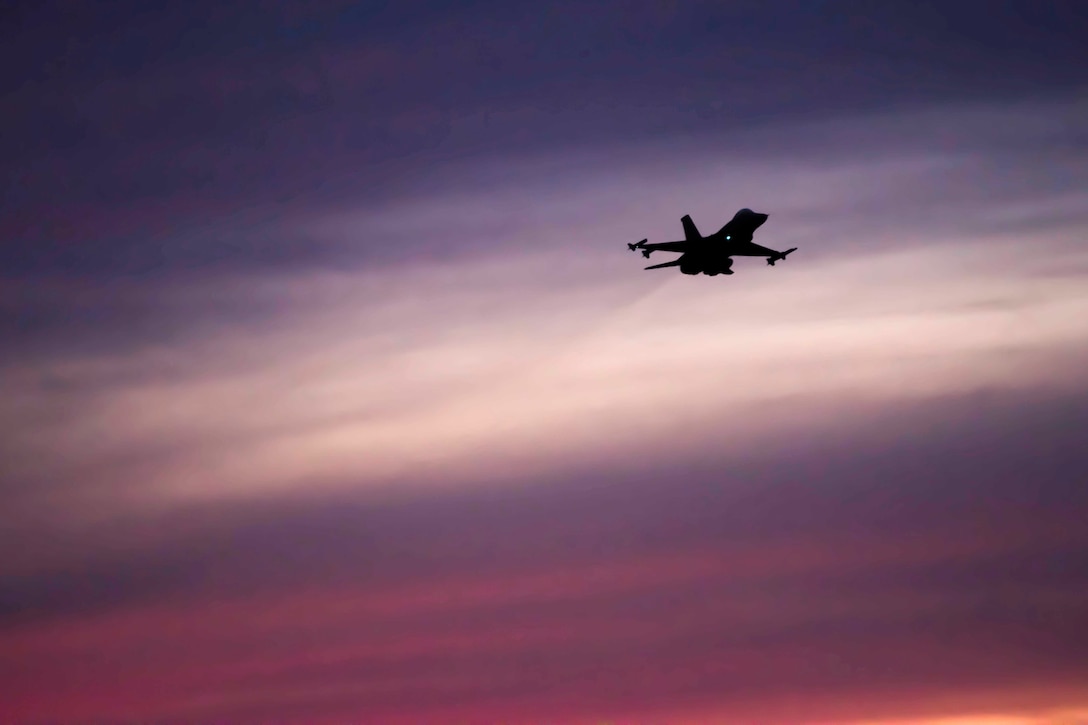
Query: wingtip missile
x=780, y=256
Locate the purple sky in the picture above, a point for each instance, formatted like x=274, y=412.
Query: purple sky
x=329, y=392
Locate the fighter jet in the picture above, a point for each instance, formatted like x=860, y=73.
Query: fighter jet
x=712, y=255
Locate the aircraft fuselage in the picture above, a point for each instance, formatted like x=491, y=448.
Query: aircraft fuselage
x=712, y=254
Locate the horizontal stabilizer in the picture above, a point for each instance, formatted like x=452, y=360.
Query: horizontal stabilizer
x=673, y=263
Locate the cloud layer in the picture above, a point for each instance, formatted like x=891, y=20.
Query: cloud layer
x=330, y=393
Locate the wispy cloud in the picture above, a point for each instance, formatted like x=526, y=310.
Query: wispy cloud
x=450, y=453
x=551, y=342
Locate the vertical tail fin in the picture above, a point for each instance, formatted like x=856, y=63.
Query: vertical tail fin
x=691, y=232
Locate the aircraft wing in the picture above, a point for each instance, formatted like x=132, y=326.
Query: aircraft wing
x=753, y=249
x=667, y=247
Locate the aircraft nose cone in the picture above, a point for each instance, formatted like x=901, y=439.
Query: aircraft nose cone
x=756, y=220
x=753, y=215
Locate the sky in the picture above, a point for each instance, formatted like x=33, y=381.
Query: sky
x=330, y=393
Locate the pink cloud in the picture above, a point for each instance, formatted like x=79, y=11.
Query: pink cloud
x=737, y=628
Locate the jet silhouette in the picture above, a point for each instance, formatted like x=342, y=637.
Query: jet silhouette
x=712, y=255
